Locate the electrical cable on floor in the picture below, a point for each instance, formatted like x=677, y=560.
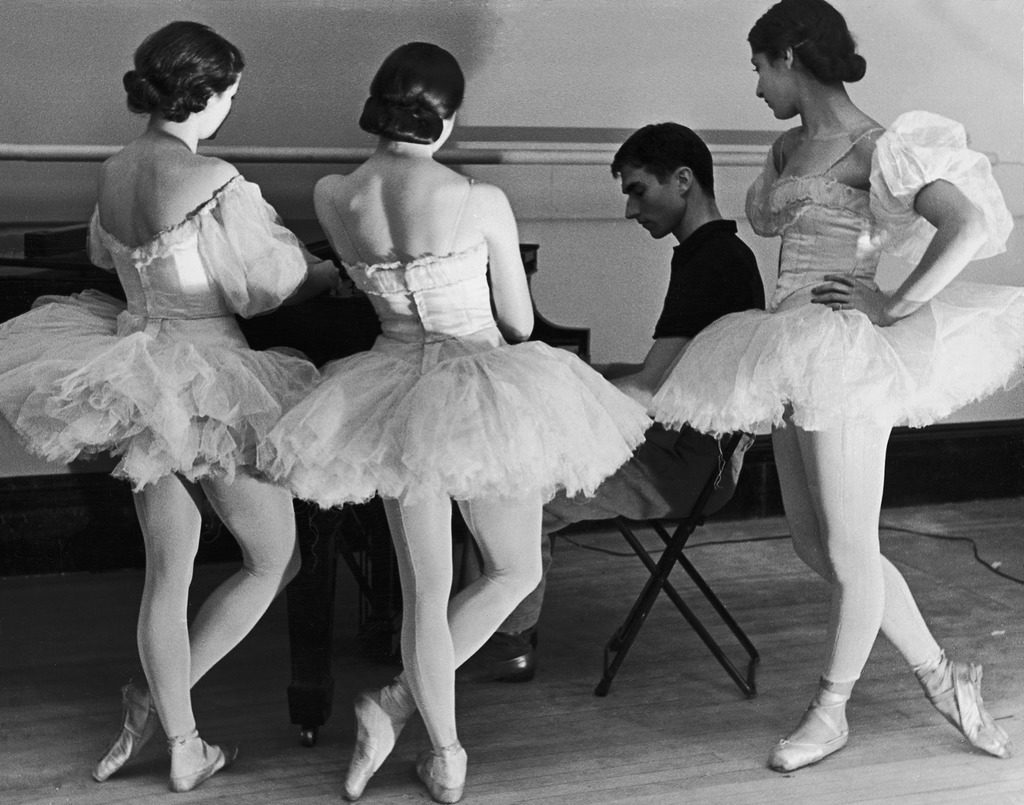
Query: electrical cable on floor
x=992, y=567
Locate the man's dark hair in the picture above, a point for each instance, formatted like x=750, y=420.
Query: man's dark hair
x=661, y=148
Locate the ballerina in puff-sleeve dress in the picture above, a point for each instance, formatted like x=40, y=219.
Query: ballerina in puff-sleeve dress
x=831, y=383
x=831, y=366
x=167, y=384
x=166, y=381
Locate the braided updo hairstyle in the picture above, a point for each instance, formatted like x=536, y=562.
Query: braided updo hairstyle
x=416, y=89
x=178, y=68
x=818, y=35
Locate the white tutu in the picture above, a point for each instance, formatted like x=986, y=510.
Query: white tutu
x=744, y=370
x=71, y=387
x=482, y=421
x=836, y=366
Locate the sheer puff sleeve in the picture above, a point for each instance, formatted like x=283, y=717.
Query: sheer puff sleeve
x=253, y=258
x=920, y=148
x=99, y=254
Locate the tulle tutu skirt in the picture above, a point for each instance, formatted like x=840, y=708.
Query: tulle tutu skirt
x=742, y=371
x=77, y=379
x=453, y=418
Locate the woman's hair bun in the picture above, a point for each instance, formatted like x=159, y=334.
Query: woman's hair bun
x=856, y=67
x=178, y=68
x=142, y=97
x=417, y=88
x=831, y=64
x=401, y=120
x=817, y=34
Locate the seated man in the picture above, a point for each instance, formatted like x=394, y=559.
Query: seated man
x=666, y=173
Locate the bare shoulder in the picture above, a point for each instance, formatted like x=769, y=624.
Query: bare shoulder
x=868, y=136
x=865, y=140
x=328, y=191
x=178, y=181
x=119, y=168
x=491, y=213
x=332, y=186
x=488, y=198
x=206, y=175
x=331, y=183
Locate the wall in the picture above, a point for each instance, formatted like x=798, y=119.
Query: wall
x=590, y=67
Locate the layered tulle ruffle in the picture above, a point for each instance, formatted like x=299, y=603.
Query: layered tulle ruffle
x=493, y=422
x=742, y=371
x=72, y=386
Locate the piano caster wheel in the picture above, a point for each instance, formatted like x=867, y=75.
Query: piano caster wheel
x=307, y=736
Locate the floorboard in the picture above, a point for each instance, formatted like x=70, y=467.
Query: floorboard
x=674, y=729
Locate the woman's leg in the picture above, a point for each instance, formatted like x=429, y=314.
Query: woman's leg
x=174, y=657
x=508, y=533
x=814, y=497
x=422, y=537
x=261, y=518
x=440, y=632
x=170, y=522
x=902, y=622
x=844, y=470
x=831, y=484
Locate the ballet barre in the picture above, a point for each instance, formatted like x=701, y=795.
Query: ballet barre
x=565, y=154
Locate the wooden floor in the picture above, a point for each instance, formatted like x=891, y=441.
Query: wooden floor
x=673, y=730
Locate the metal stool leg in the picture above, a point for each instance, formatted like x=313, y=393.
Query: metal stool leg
x=618, y=646
x=745, y=681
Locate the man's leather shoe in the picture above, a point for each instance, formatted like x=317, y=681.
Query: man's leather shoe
x=504, y=657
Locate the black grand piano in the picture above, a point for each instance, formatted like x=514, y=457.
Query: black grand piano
x=325, y=328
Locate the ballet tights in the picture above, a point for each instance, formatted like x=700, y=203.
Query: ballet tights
x=174, y=656
x=832, y=491
x=440, y=631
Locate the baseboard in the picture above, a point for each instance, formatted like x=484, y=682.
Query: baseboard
x=937, y=464
x=83, y=521
x=86, y=521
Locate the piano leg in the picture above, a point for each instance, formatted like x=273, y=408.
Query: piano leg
x=310, y=599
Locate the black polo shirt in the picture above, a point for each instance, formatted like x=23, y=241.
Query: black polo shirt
x=713, y=273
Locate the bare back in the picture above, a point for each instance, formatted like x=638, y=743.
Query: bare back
x=152, y=185
x=399, y=209
x=396, y=209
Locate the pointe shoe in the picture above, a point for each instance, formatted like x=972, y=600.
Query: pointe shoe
x=138, y=723
x=380, y=717
x=822, y=731
x=205, y=760
x=443, y=772
x=954, y=689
